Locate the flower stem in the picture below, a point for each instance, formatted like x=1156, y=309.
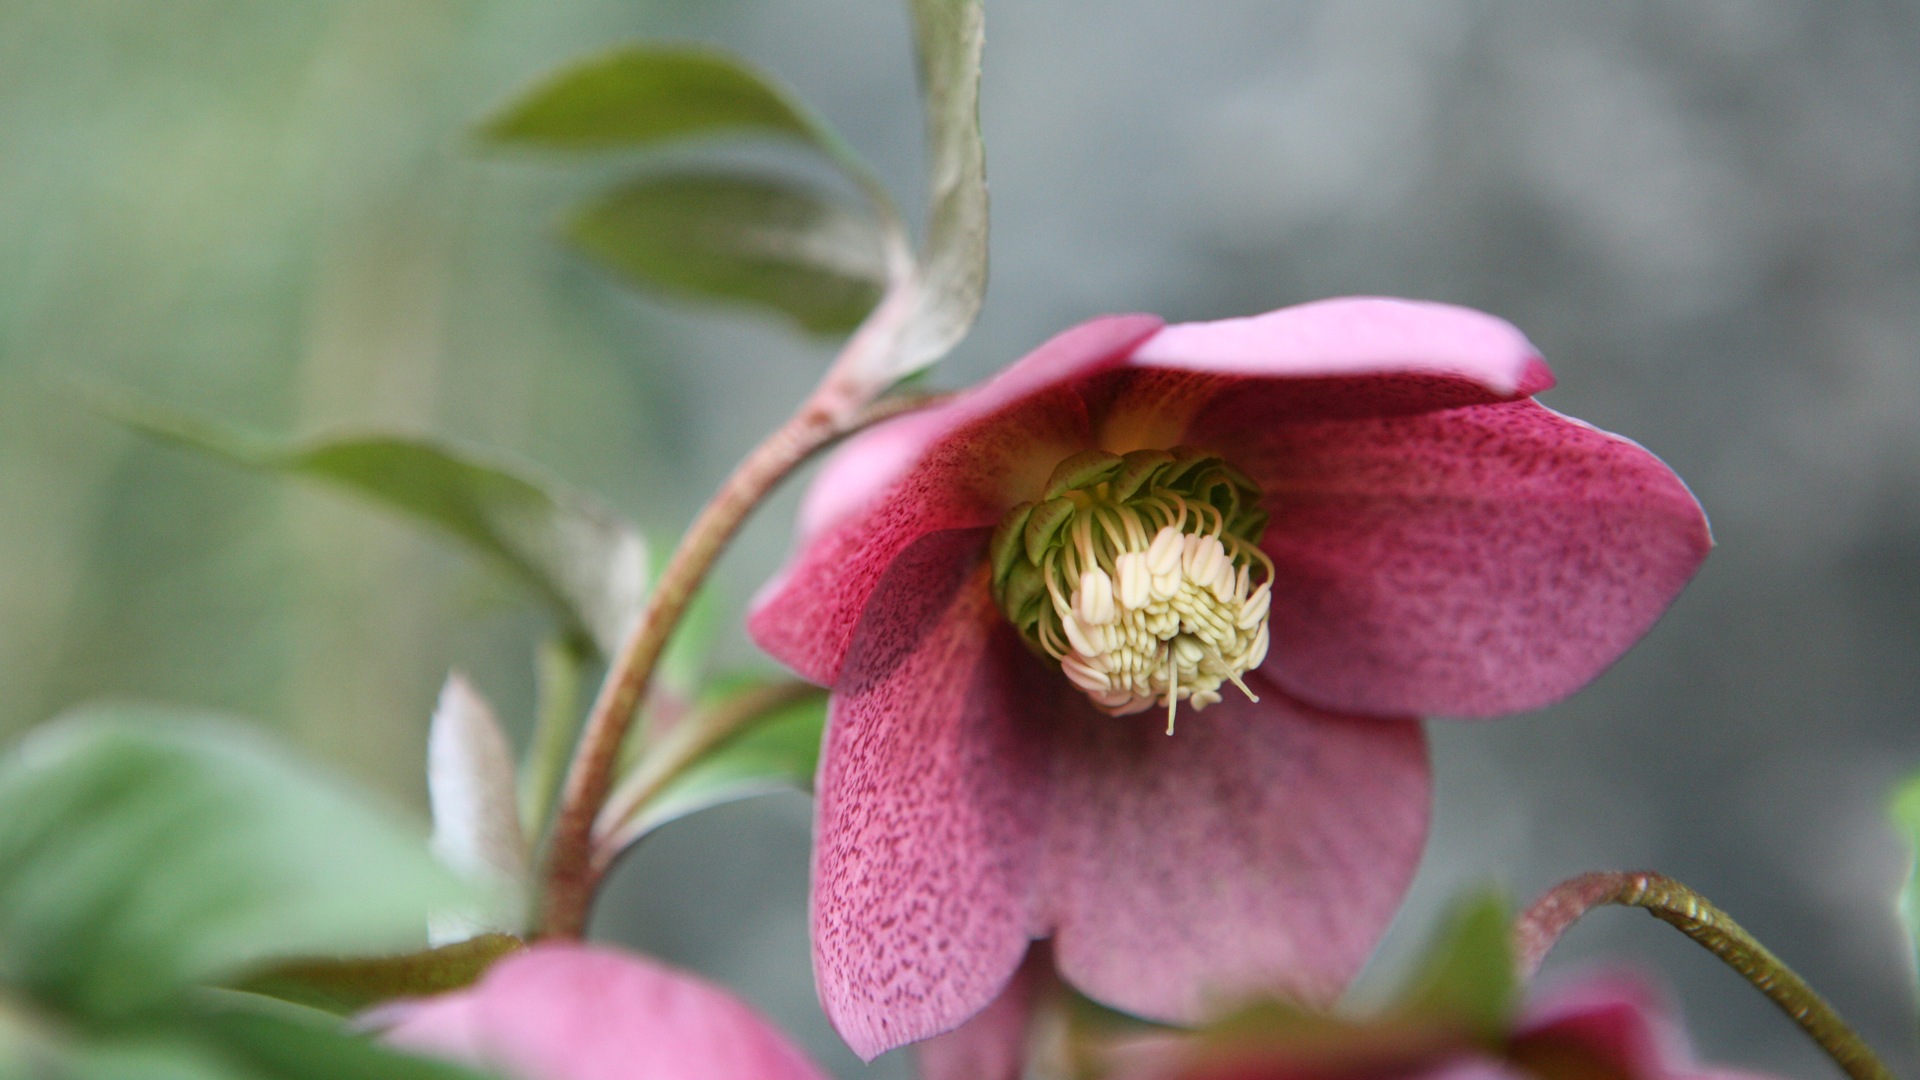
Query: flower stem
x=571, y=874
x=1540, y=927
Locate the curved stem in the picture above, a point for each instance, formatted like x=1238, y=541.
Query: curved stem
x=1540, y=927
x=571, y=874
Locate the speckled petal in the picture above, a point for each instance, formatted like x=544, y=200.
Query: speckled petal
x=1469, y=562
x=1262, y=847
x=957, y=466
x=931, y=794
x=572, y=1012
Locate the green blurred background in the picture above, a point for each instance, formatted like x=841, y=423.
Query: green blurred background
x=1706, y=213
x=272, y=213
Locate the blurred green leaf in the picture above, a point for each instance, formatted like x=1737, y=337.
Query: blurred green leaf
x=1468, y=974
x=951, y=280
x=1283, y=1038
x=643, y=94
x=152, y=1057
x=284, y=1048
x=779, y=751
x=1906, y=817
x=755, y=240
x=346, y=986
x=586, y=564
x=226, y=1043
x=143, y=850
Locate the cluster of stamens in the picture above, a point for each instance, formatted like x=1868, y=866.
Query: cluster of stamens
x=1141, y=575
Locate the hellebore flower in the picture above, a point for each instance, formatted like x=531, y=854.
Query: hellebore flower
x=1602, y=1028
x=1308, y=526
x=570, y=1012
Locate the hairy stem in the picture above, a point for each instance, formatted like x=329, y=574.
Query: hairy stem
x=571, y=873
x=1665, y=899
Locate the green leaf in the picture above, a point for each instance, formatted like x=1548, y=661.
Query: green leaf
x=951, y=280
x=1468, y=975
x=143, y=850
x=639, y=95
x=227, y=1039
x=780, y=752
x=1906, y=817
x=347, y=986
x=284, y=1048
x=754, y=240
x=161, y=1057
x=588, y=566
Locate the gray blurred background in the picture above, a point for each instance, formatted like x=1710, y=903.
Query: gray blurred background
x=1705, y=212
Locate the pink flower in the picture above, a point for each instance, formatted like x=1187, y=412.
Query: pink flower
x=1309, y=526
x=570, y=1012
x=1604, y=1028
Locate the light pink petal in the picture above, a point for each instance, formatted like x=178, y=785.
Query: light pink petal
x=1357, y=336
x=570, y=1012
x=1469, y=562
x=995, y=1043
x=1260, y=848
x=957, y=466
x=931, y=790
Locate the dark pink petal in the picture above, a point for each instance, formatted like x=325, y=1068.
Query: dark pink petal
x=1611, y=1019
x=932, y=788
x=1352, y=337
x=958, y=466
x=569, y=1012
x=994, y=1044
x=1618, y=1020
x=1262, y=847
x=1469, y=562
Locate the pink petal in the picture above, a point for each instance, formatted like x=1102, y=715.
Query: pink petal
x=931, y=788
x=1469, y=562
x=1356, y=336
x=1619, y=1019
x=1613, y=1019
x=569, y=1012
x=1262, y=847
x=994, y=1044
x=957, y=466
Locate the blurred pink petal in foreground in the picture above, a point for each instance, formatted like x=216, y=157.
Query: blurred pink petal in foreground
x=571, y=1012
x=1604, y=1028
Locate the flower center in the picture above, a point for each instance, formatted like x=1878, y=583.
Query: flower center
x=1141, y=575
